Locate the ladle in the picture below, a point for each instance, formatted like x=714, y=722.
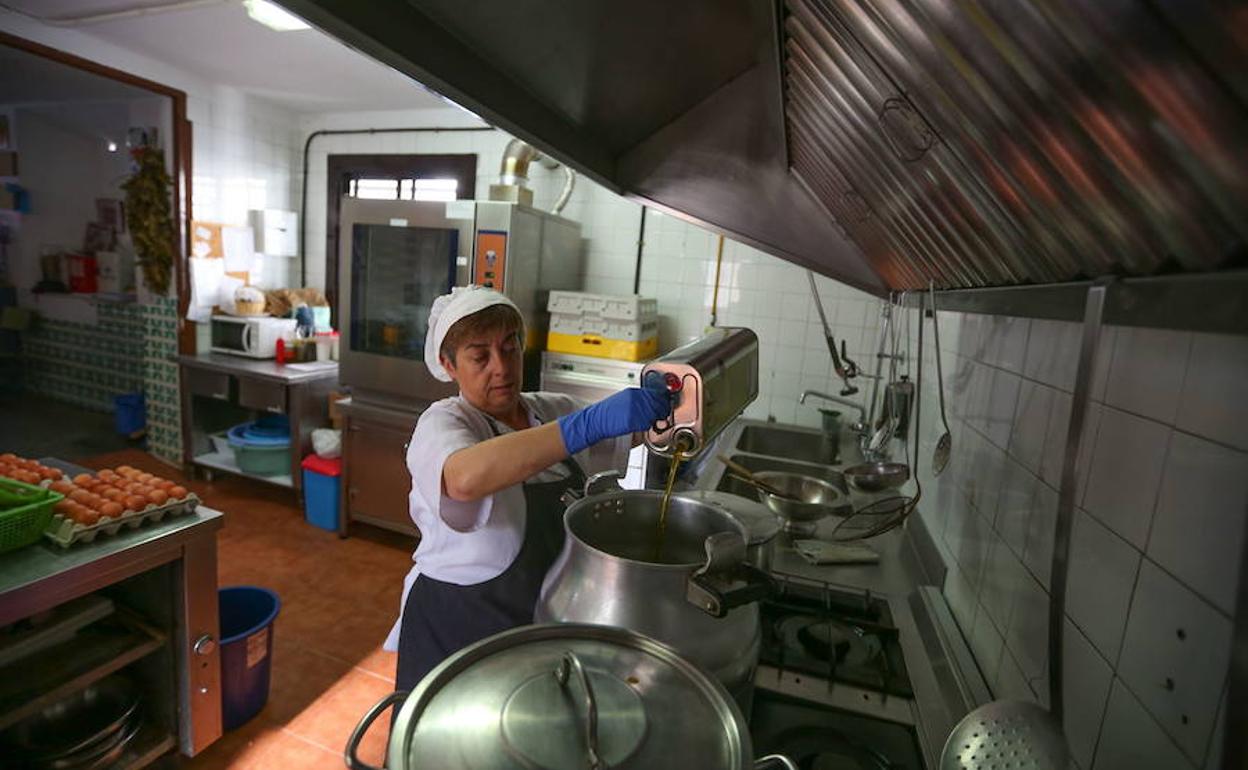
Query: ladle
x=944, y=445
x=746, y=475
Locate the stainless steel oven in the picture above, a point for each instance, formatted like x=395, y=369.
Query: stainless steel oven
x=396, y=257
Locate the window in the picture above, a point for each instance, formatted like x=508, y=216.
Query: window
x=419, y=189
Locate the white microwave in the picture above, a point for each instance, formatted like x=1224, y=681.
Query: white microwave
x=251, y=336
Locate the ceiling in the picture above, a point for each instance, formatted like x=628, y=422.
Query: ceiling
x=305, y=71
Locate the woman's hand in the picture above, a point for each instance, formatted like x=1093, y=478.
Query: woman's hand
x=632, y=410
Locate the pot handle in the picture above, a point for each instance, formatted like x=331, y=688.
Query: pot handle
x=357, y=735
x=726, y=581
x=566, y=665
x=779, y=759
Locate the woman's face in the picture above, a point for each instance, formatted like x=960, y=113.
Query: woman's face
x=489, y=370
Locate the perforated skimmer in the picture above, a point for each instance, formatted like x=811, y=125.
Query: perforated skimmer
x=1006, y=735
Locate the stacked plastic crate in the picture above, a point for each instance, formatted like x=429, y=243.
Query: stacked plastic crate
x=624, y=327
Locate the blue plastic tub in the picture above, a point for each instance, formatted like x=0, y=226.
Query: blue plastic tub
x=129, y=413
x=247, y=614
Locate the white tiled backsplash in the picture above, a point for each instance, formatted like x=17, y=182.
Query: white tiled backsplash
x=1156, y=543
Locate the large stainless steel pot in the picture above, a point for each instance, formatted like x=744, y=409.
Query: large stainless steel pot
x=698, y=595
x=761, y=525
x=565, y=697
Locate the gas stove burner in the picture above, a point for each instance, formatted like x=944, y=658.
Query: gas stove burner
x=820, y=748
x=829, y=641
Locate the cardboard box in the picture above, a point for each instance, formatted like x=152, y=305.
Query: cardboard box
x=336, y=417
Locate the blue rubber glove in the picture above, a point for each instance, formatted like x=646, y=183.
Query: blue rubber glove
x=629, y=411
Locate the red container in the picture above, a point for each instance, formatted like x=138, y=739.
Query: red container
x=83, y=272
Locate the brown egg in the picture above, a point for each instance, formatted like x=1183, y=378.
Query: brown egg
x=158, y=496
x=80, y=496
x=56, y=473
x=82, y=478
x=86, y=516
x=177, y=493
x=63, y=487
x=112, y=510
x=135, y=503
x=63, y=507
x=166, y=484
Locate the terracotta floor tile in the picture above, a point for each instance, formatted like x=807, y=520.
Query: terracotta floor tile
x=330, y=720
x=299, y=678
x=380, y=662
x=285, y=751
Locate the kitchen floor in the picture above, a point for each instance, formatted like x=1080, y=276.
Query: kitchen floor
x=339, y=598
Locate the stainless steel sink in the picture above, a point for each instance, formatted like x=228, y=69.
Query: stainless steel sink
x=730, y=483
x=804, y=445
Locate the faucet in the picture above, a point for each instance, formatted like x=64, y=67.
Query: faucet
x=859, y=426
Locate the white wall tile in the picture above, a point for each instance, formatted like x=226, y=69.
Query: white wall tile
x=1147, y=371
x=1213, y=759
x=1014, y=504
x=1027, y=636
x=1035, y=406
x=1038, y=554
x=986, y=642
x=961, y=597
x=1005, y=342
x=1086, y=679
x=1002, y=401
x=1130, y=738
x=1010, y=681
x=1100, y=580
x=1004, y=578
x=1126, y=472
x=1053, y=353
x=1198, y=529
x=1175, y=658
x=1212, y=403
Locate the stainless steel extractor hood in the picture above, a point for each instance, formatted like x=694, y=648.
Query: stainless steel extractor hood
x=880, y=142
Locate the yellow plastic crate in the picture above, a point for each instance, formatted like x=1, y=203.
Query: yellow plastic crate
x=603, y=347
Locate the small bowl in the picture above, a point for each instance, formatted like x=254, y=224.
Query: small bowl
x=877, y=477
x=815, y=498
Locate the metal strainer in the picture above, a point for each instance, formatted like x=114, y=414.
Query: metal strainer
x=1006, y=735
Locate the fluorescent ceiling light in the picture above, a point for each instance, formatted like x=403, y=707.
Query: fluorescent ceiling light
x=273, y=16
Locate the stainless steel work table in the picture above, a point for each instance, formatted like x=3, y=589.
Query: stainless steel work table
x=175, y=564
x=219, y=391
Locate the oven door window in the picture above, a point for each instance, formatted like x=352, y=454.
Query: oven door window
x=396, y=274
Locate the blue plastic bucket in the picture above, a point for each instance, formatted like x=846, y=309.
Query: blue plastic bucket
x=129, y=414
x=247, y=614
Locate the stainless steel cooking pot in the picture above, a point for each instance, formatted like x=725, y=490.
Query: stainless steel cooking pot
x=696, y=593
x=761, y=525
x=565, y=697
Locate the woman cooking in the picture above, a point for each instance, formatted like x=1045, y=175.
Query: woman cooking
x=488, y=468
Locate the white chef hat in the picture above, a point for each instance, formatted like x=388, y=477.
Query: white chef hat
x=462, y=302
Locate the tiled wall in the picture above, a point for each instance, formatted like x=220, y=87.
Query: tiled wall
x=678, y=263
x=86, y=364
x=1155, y=550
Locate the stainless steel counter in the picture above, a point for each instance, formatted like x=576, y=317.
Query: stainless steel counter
x=287, y=374
x=945, y=681
x=43, y=575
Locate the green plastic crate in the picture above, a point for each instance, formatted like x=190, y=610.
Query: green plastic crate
x=25, y=512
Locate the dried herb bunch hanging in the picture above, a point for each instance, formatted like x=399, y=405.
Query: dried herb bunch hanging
x=149, y=218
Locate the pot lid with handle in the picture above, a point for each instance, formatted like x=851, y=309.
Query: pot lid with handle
x=566, y=697
x=761, y=525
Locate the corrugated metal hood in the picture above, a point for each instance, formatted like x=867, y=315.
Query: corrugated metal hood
x=879, y=142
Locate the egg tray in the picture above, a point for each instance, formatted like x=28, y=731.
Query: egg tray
x=64, y=531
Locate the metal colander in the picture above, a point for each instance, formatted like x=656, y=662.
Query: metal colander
x=1006, y=735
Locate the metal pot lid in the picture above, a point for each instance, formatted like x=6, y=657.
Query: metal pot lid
x=519, y=700
x=761, y=525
